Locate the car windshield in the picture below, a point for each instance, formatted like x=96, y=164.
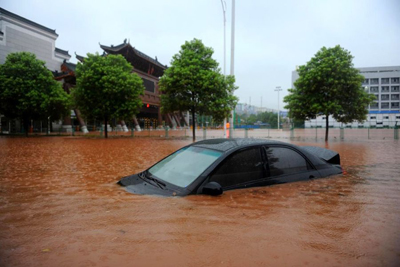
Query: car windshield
x=185, y=165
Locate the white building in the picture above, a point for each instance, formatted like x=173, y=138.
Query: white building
x=18, y=34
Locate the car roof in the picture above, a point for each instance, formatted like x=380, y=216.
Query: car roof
x=224, y=145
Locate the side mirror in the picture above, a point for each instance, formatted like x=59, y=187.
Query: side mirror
x=212, y=189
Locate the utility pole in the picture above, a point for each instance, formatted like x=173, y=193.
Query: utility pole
x=223, y=3
x=278, y=88
x=232, y=59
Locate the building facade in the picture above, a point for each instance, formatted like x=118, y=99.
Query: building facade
x=18, y=34
x=384, y=83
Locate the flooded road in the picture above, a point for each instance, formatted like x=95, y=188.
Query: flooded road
x=60, y=206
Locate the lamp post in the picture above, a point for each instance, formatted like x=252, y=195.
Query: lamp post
x=278, y=88
x=232, y=59
x=223, y=3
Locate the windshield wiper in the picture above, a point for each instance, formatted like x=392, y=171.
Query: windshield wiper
x=146, y=176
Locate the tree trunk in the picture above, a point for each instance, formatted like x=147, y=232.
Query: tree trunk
x=105, y=126
x=194, y=125
x=326, y=128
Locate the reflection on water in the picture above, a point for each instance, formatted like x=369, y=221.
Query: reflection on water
x=59, y=205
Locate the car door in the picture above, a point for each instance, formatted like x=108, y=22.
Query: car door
x=240, y=169
x=285, y=164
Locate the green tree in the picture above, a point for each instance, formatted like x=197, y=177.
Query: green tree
x=28, y=90
x=329, y=85
x=107, y=88
x=269, y=117
x=194, y=83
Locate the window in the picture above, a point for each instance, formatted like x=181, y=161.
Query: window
x=395, y=105
x=395, y=80
x=385, y=89
x=283, y=161
x=366, y=81
x=385, y=80
x=374, y=89
x=149, y=85
x=373, y=118
x=385, y=105
x=241, y=167
x=377, y=97
x=385, y=117
x=374, y=105
x=395, y=97
x=375, y=81
x=384, y=97
x=394, y=89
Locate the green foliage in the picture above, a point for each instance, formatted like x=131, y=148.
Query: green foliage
x=265, y=117
x=28, y=89
x=194, y=83
x=329, y=85
x=106, y=88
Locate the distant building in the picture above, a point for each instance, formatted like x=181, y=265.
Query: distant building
x=384, y=83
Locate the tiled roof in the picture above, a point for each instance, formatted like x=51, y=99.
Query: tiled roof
x=137, y=52
x=64, y=52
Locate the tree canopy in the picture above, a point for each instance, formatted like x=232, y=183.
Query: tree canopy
x=28, y=90
x=194, y=83
x=264, y=117
x=329, y=85
x=107, y=88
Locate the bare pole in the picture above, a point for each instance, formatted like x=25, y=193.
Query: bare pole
x=232, y=56
x=223, y=3
x=278, y=88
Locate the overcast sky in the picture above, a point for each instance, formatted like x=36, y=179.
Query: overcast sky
x=271, y=37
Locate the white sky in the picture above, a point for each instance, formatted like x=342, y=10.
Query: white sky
x=271, y=37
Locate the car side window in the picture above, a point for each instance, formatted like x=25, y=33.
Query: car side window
x=282, y=161
x=243, y=166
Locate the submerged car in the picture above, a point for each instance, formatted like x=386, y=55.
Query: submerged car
x=216, y=165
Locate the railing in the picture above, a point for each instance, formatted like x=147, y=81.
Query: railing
x=378, y=132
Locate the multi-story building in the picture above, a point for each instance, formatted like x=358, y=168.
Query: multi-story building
x=384, y=83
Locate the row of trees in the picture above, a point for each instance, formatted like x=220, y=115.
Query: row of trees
x=106, y=88
x=264, y=117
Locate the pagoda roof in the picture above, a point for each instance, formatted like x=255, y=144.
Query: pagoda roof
x=138, y=59
x=34, y=24
x=79, y=57
x=64, y=52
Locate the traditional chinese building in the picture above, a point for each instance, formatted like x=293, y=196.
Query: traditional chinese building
x=150, y=70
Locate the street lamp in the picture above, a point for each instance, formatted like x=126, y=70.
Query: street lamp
x=223, y=3
x=232, y=59
x=278, y=88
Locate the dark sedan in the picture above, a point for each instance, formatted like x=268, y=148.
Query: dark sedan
x=216, y=165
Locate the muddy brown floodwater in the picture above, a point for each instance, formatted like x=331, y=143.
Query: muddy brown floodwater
x=60, y=206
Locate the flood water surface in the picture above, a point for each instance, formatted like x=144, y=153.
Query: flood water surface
x=60, y=206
